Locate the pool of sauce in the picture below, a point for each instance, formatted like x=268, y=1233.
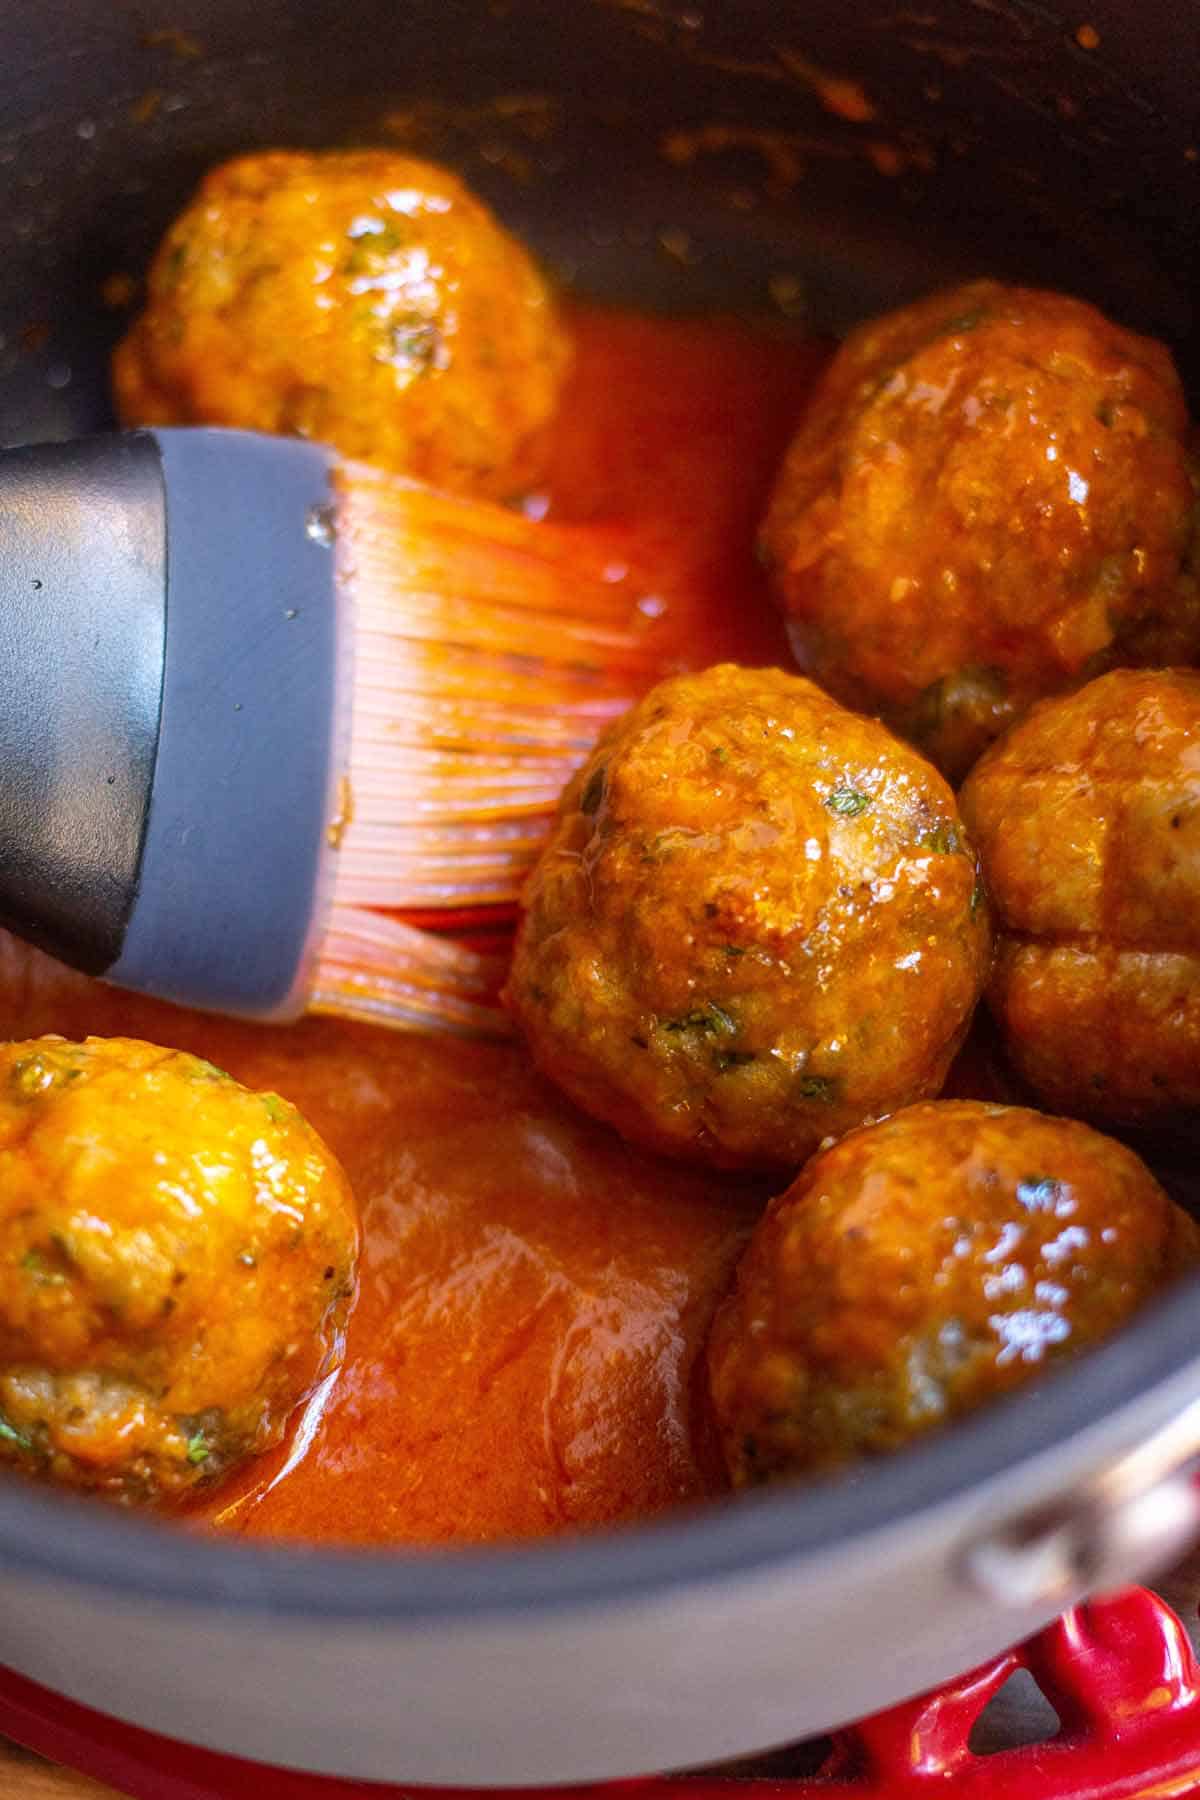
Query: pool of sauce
x=533, y=1294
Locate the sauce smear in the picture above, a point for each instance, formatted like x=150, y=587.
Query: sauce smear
x=534, y=1294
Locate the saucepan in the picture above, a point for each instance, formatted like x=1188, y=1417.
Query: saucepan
x=1050, y=141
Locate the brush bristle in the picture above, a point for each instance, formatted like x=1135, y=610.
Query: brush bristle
x=490, y=652
x=384, y=972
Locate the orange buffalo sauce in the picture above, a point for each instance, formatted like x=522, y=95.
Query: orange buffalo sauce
x=678, y=428
x=532, y=1298
x=533, y=1294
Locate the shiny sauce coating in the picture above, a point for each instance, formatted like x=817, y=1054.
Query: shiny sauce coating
x=523, y=1356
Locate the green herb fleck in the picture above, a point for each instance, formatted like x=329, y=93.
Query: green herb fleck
x=10, y=1435
x=943, y=840
x=733, y=1059
x=173, y=267
x=375, y=231
x=978, y=896
x=665, y=843
x=277, y=1107
x=206, y=1071
x=415, y=341
x=719, y=753
x=198, y=1449
x=847, y=802
x=592, y=797
x=35, y=1264
x=372, y=240
x=825, y=1088
x=1039, y=1193
x=709, y=1018
x=964, y=322
x=735, y=949
x=34, y=1075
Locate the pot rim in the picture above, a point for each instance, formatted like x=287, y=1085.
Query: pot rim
x=58, y=1537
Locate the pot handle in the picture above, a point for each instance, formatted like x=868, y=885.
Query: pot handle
x=1120, y=1674
x=1140, y=1514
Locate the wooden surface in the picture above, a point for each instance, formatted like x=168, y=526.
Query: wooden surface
x=26, y=1777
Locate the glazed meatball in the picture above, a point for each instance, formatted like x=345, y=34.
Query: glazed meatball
x=361, y=298
x=1087, y=817
x=925, y=1265
x=757, y=922
x=176, y=1255
x=990, y=500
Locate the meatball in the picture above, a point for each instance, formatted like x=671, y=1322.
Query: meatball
x=990, y=500
x=361, y=298
x=1087, y=818
x=923, y=1266
x=176, y=1256
x=757, y=922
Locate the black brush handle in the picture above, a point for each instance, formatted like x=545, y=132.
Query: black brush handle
x=171, y=738
x=82, y=638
